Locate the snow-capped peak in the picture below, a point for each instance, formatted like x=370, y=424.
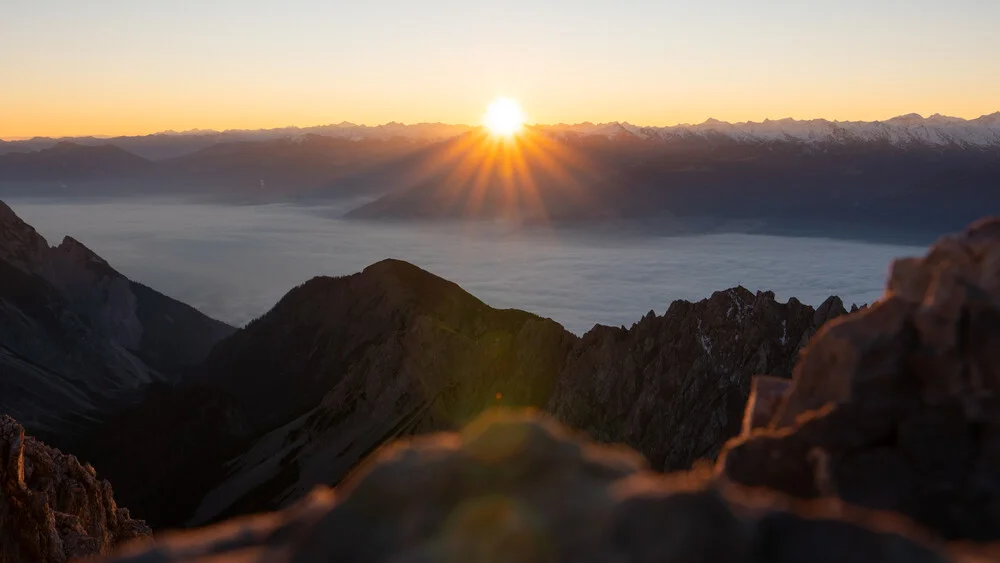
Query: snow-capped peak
x=904, y=130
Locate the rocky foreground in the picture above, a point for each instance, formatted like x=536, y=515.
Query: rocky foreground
x=515, y=486
x=52, y=507
x=891, y=425
x=898, y=408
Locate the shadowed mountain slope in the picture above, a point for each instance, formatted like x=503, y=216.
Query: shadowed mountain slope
x=79, y=339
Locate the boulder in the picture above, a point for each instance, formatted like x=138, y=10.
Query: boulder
x=897, y=407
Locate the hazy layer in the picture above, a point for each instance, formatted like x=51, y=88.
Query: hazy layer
x=235, y=262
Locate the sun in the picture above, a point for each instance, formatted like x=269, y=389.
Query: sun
x=504, y=117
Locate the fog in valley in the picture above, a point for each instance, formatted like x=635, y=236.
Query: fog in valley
x=234, y=262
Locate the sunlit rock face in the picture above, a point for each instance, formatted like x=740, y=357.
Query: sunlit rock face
x=514, y=486
x=52, y=508
x=898, y=407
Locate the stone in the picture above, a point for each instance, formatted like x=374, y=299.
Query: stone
x=902, y=399
x=53, y=508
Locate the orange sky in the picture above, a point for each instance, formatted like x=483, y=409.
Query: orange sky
x=117, y=67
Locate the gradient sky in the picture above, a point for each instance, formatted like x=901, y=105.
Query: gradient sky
x=72, y=67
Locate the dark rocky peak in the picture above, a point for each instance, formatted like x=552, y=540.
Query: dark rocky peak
x=674, y=386
x=337, y=368
x=389, y=284
x=896, y=407
x=23, y=247
x=78, y=252
x=20, y=243
x=325, y=327
x=515, y=487
x=53, y=508
x=828, y=310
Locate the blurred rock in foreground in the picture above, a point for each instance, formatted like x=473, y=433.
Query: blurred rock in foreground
x=515, y=486
x=898, y=407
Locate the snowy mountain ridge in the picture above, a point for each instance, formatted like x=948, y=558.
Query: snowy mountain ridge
x=905, y=130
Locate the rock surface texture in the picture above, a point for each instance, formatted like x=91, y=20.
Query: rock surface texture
x=516, y=487
x=53, y=508
x=673, y=387
x=898, y=407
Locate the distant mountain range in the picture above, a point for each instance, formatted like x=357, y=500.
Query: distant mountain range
x=938, y=130
x=909, y=177
x=905, y=130
x=171, y=144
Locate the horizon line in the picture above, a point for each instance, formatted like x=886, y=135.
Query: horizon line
x=347, y=124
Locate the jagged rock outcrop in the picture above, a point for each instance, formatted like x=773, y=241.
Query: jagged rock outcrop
x=77, y=338
x=674, y=386
x=515, y=487
x=898, y=407
x=53, y=508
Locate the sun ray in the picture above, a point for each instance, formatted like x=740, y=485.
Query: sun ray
x=508, y=171
x=481, y=184
x=529, y=187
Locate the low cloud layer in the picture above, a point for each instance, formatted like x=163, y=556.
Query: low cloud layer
x=234, y=262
